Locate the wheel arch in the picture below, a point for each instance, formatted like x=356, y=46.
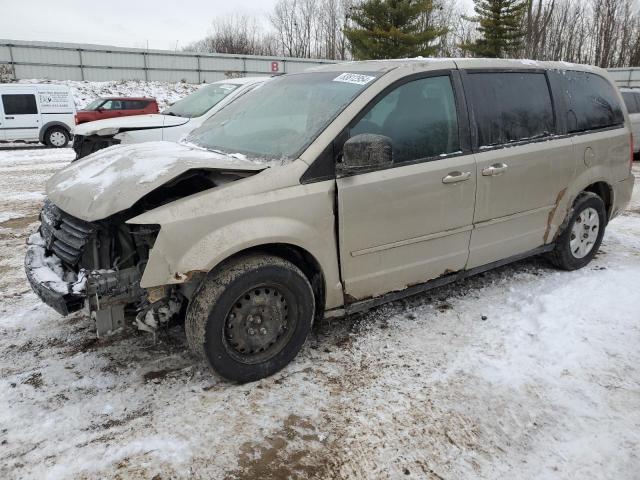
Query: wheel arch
x=55, y=123
x=300, y=257
x=605, y=192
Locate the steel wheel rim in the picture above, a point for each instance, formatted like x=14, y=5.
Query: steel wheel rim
x=584, y=232
x=259, y=324
x=57, y=139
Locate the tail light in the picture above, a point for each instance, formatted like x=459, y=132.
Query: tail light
x=75, y=118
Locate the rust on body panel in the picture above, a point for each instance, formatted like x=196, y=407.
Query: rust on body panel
x=561, y=194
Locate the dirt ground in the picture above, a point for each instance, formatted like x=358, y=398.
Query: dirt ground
x=523, y=372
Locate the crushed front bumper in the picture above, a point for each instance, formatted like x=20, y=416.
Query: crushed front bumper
x=61, y=289
x=86, y=145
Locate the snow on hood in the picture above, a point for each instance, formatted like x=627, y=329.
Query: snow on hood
x=113, y=179
x=130, y=123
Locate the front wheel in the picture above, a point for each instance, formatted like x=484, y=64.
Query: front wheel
x=580, y=241
x=56, y=137
x=251, y=318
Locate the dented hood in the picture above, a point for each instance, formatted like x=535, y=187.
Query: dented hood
x=113, y=179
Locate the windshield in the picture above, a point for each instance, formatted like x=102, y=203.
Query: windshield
x=95, y=104
x=200, y=101
x=281, y=117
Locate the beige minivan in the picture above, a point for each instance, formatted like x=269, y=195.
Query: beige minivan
x=331, y=191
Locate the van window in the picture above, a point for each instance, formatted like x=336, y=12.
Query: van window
x=420, y=118
x=592, y=102
x=19, y=104
x=135, y=104
x=510, y=106
x=631, y=101
x=113, y=105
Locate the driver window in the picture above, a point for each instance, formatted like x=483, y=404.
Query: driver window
x=420, y=118
x=112, y=105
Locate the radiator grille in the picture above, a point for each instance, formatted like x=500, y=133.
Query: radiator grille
x=64, y=235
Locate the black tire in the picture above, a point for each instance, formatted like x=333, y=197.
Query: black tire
x=53, y=137
x=562, y=256
x=261, y=281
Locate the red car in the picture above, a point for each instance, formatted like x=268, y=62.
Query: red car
x=116, y=107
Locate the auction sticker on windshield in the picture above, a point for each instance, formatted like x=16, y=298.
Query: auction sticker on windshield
x=353, y=78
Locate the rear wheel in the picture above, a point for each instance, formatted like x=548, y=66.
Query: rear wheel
x=580, y=241
x=251, y=318
x=56, y=137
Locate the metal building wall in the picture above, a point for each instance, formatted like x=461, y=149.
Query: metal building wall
x=626, y=77
x=70, y=61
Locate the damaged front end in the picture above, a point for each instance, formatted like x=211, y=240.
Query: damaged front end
x=71, y=262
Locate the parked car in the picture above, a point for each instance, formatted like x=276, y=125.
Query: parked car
x=36, y=112
x=111, y=107
x=328, y=192
x=172, y=124
x=631, y=98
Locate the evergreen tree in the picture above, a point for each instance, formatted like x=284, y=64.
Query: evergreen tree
x=392, y=29
x=500, y=26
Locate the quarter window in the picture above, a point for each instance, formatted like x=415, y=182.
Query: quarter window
x=592, y=102
x=510, y=107
x=419, y=117
x=135, y=104
x=20, y=104
x=631, y=101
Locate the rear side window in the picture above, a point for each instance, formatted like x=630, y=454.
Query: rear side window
x=419, y=117
x=135, y=104
x=631, y=101
x=510, y=106
x=19, y=104
x=592, y=102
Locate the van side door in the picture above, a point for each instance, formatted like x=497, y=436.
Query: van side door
x=21, y=117
x=523, y=166
x=411, y=222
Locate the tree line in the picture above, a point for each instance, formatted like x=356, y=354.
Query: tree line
x=605, y=33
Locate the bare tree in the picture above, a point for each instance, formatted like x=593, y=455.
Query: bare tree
x=238, y=34
x=600, y=32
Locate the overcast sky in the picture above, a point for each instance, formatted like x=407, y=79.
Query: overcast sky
x=126, y=23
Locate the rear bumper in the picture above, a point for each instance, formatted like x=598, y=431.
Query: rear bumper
x=61, y=289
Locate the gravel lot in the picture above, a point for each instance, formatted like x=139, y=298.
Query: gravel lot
x=523, y=372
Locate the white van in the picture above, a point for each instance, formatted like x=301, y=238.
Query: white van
x=36, y=112
x=172, y=124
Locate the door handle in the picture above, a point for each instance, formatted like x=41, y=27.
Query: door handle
x=9, y=118
x=455, y=177
x=495, y=170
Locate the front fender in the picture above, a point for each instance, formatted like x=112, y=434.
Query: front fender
x=300, y=216
x=165, y=267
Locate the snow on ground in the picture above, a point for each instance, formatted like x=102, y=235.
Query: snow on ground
x=523, y=372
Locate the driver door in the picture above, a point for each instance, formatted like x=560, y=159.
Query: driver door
x=412, y=221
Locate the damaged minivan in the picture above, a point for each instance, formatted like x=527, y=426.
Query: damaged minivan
x=332, y=191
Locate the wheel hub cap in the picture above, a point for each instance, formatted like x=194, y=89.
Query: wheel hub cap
x=584, y=233
x=257, y=323
x=57, y=139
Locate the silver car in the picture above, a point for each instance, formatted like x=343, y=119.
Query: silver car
x=631, y=98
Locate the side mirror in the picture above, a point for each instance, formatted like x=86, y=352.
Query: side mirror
x=366, y=151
